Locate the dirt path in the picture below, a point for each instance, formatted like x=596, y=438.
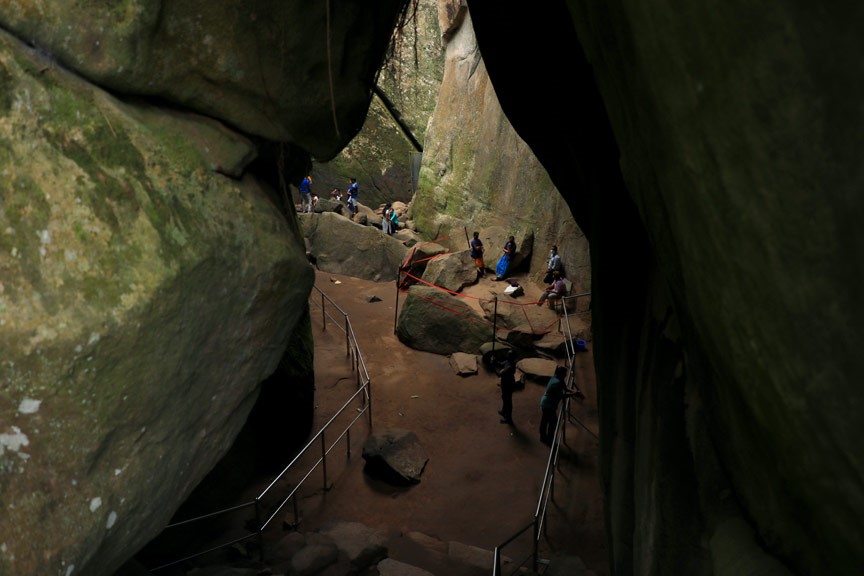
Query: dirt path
x=483, y=478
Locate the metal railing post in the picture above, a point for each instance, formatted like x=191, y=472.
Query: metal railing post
x=324, y=459
x=296, y=511
x=369, y=395
x=259, y=529
x=536, y=553
x=348, y=443
x=347, y=337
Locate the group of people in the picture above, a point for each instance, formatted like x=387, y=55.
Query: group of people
x=554, y=278
x=308, y=199
x=477, y=250
x=556, y=391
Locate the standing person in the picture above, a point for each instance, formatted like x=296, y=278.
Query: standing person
x=556, y=391
x=477, y=254
x=353, y=192
x=385, y=219
x=557, y=289
x=306, y=194
x=552, y=264
x=504, y=262
x=507, y=371
x=394, y=221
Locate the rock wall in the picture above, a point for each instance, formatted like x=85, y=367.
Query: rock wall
x=295, y=72
x=148, y=282
x=710, y=161
x=381, y=155
x=478, y=173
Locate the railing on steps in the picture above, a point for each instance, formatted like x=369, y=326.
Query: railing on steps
x=329, y=310
x=547, y=490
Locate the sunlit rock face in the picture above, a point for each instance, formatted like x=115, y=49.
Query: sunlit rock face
x=294, y=71
x=144, y=296
x=478, y=173
x=709, y=154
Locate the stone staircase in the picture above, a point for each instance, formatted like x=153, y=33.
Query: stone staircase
x=351, y=548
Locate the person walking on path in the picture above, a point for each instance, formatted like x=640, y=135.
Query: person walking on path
x=504, y=262
x=557, y=289
x=477, y=254
x=553, y=264
x=353, y=192
x=306, y=194
x=556, y=390
x=507, y=371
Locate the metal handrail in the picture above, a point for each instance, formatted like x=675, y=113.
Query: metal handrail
x=363, y=391
x=548, y=486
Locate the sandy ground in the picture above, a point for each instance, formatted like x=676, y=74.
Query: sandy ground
x=483, y=478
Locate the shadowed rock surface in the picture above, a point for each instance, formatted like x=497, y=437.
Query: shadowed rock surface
x=395, y=456
x=144, y=298
x=434, y=321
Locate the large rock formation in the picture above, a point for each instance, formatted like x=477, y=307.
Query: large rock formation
x=478, y=173
x=288, y=71
x=709, y=154
x=140, y=296
x=149, y=284
x=382, y=157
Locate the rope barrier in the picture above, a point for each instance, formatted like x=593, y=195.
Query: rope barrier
x=542, y=330
x=461, y=295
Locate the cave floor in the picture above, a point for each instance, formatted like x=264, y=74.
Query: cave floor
x=482, y=480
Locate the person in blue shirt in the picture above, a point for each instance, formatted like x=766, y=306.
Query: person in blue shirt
x=503, y=265
x=556, y=390
x=353, y=192
x=306, y=194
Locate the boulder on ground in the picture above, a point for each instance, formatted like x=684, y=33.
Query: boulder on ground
x=537, y=368
x=329, y=205
x=453, y=271
x=343, y=247
x=434, y=321
x=362, y=545
x=463, y=364
x=500, y=352
x=395, y=456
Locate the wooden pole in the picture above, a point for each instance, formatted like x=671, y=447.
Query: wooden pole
x=396, y=310
x=494, y=326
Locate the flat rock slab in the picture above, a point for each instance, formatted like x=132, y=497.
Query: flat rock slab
x=538, y=368
x=390, y=567
x=395, y=456
x=364, y=546
x=463, y=364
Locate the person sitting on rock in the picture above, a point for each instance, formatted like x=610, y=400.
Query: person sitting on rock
x=556, y=290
